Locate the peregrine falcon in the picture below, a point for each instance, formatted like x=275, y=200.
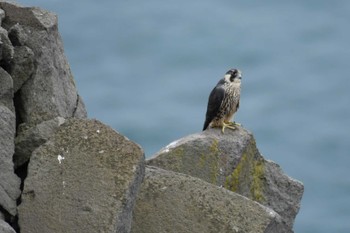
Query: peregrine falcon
x=224, y=101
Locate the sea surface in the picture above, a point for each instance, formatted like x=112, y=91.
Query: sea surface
x=146, y=68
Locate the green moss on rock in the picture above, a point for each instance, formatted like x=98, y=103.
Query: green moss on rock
x=256, y=188
x=177, y=158
x=248, y=176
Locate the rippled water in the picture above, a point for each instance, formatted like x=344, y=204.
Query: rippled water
x=146, y=68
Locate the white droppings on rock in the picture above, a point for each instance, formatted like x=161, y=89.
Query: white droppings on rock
x=60, y=158
x=61, y=120
x=170, y=146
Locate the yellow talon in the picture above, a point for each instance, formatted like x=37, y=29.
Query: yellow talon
x=232, y=123
x=229, y=125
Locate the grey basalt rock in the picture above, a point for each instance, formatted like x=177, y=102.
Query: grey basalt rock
x=232, y=161
x=9, y=182
x=50, y=91
x=30, y=137
x=85, y=178
x=174, y=202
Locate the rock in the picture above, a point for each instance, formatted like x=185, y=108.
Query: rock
x=22, y=66
x=50, y=91
x=79, y=111
x=29, y=138
x=174, y=202
x=2, y=15
x=5, y=227
x=231, y=160
x=6, y=90
x=5, y=46
x=34, y=17
x=9, y=182
x=83, y=179
x=17, y=35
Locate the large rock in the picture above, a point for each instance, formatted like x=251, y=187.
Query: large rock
x=231, y=160
x=83, y=179
x=50, y=91
x=9, y=182
x=174, y=202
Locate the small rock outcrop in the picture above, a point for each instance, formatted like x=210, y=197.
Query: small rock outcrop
x=173, y=202
x=232, y=161
x=83, y=179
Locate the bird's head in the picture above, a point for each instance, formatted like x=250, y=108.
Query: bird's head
x=233, y=76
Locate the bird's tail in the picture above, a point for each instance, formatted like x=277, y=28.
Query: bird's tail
x=206, y=124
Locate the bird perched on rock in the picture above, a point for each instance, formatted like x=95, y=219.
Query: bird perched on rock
x=224, y=101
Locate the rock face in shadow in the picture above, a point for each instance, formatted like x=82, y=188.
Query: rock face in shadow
x=173, y=202
x=232, y=161
x=83, y=179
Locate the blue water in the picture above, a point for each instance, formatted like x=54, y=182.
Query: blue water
x=146, y=68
